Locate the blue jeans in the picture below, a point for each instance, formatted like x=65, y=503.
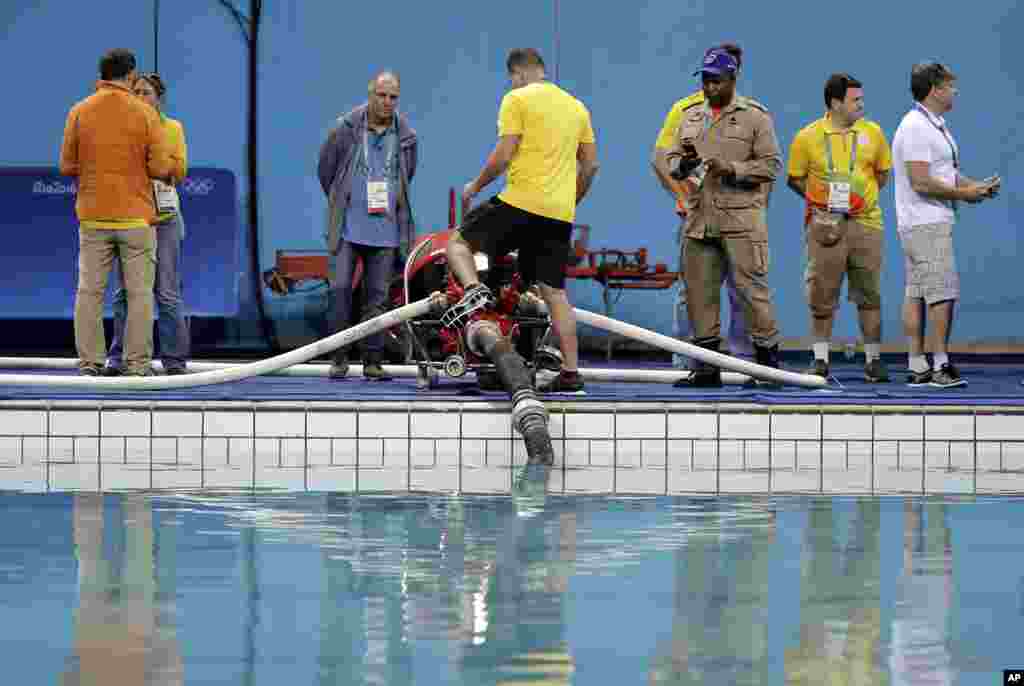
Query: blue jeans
x=172, y=327
x=378, y=267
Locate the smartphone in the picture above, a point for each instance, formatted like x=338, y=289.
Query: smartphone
x=994, y=183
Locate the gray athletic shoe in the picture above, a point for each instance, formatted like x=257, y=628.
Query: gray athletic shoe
x=947, y=376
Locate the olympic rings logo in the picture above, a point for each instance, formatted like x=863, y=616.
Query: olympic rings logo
x=197, y=185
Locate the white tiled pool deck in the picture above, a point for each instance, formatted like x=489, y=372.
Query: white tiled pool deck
x=613, y=448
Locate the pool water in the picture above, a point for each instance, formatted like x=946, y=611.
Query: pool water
x=304, y=588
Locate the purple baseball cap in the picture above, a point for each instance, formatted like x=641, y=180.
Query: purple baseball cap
x=717, y=62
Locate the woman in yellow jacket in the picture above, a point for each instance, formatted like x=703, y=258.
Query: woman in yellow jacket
x=172, y=327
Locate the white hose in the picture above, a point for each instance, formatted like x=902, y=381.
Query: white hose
x=728, y=362
x=289, y=364
x=598, y=374
x=297, y=370
x=661, y=376
x=236, y=372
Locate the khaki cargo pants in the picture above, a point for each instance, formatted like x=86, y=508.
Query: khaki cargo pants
x=98, y=248
x=707, y=261
x=846, y=249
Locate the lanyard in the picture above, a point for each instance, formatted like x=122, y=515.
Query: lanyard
x=952, y=146
x=945, y=134
x=389, y=149
x=828, y=151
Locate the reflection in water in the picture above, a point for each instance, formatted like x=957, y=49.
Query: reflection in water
x=920, y=630
x=719, y=622
x=122, y=632
x=840, y=604
x=520, y=591
x=337, y=589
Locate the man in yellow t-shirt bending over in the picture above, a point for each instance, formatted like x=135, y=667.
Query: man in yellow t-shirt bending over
x=839, y=163
x=547, y=150
x=739, y=332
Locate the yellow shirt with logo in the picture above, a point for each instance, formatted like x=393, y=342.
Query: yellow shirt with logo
x=807, y=159
x=670, y=129
x=176, y=140
x=541, y=178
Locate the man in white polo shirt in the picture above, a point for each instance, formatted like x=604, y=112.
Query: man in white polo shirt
x=929, y=184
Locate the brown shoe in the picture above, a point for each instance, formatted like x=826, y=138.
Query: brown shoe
x=372, y=369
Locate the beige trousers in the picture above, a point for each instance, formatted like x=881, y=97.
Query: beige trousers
x=98, y=248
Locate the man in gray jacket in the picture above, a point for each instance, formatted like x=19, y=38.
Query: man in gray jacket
x=366, y=166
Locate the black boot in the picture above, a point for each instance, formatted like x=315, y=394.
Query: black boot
x=767, y=357
x=704, y=375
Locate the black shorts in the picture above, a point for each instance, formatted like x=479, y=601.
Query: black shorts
x=497, y=228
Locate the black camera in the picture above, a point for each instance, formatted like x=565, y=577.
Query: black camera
x=680, y=168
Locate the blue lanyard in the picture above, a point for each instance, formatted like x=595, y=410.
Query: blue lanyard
x=389, y=149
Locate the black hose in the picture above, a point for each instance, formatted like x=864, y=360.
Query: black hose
x=266, y=324
x=528, y=414
x=156, y=36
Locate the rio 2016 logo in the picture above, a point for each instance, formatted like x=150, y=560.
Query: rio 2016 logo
x=197, y=185
x=54, y=187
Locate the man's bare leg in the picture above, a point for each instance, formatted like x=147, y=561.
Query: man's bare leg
x=871, y=328
x=870, y=324
x=563, y=319
x=461, y=262
x=914, y=325
x=940, y=320
x=822, y=328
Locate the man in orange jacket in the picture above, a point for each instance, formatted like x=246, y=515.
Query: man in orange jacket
x=115, y=144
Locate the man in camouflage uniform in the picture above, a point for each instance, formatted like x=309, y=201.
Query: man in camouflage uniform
x=738, y=337
x=728, y=154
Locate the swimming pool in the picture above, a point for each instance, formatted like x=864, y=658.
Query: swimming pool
x=325, y=588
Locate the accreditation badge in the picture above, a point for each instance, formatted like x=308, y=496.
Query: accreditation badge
x=839, y=197
x=377, y=197
x=166, y=197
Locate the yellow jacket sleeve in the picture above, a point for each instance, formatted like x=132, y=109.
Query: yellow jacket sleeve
x=670, y=127
x=179, y=150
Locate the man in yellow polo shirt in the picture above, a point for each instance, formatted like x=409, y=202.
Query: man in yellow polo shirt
x=838, y=164
x=739, y=332
x=546, y=144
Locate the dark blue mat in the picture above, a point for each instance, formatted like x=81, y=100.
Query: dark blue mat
x=989, y=384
